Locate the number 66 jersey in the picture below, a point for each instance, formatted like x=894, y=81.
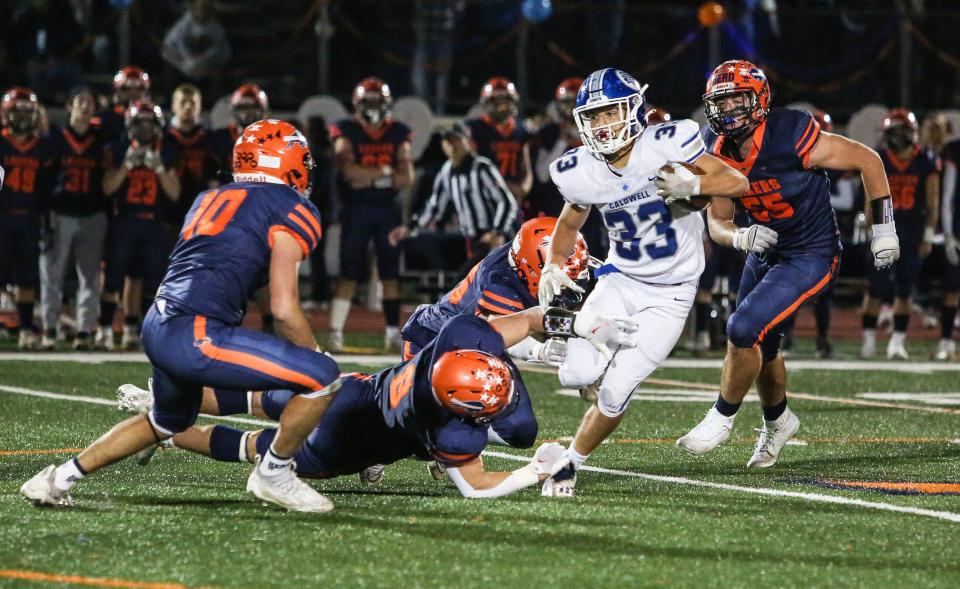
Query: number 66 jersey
x=648, y=240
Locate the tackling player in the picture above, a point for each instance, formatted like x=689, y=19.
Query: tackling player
x=793, y=242
x=656, y=253
x=235, y=240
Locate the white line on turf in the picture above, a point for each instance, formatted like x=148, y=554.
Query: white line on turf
x=814, y=497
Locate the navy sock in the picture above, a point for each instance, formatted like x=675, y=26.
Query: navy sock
x=25, y=314
x=231, y=402
x=131, y=320
x=225, y=443
x=900, y=322
x=869, y=321
x=391, y=312
x=821, y=311
x=702, y=316
x=774, y=413
x=947, y=316
x=726, y=408
x=107, y=311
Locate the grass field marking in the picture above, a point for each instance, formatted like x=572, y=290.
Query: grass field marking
x=799, y=441
x=40, y=452
x=813, y=497
x=40, y=577
x=99, y=401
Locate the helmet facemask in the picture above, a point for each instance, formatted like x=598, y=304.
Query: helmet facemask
x=732, y=120
x=23, y=118
x=372, y=109
x=900, y=136
x=608, y=138
x=247, y=113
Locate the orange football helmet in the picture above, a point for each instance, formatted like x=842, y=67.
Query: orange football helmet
x=496, y=92
x=900, y=129
x=746, y=83
x=372, y=100
x=472, y=384
x=565, y=97
x=248, y=104
x=20, y=110
x=529, y=252
x=130, y=83
x=275, y=152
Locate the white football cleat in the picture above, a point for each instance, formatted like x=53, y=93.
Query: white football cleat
x=563, y=484
x=392, y=343
x=896, y=349
x=28, y=340
x=946, y=350
x=711, y=432
x=131, y=338
x=437, y=470
x=287, y=490
x=773, y=437
x=335, y=341
x=372, y=475
x=133, y=399
x=104, y=339
x=41, y=491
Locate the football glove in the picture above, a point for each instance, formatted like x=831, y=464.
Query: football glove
x=153, y=161
x=679, y=185
x=755, y=238
x=553, y=351
x=133, y=157
x=552, y=280
x=549, y=459
x=885, y=245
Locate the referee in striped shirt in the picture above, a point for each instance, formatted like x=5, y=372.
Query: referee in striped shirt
x=472, y=183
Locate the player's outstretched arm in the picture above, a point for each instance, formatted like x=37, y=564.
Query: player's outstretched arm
x=474, y=482
x=289, y=321
x=552, y=278
x=724, y=231
x=720, y=179
x=602, y=331
x=836, y=152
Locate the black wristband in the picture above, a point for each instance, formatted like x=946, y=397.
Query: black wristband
x=558, y=322
x=882, y=209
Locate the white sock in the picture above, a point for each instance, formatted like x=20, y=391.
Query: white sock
x=576, y=458
x=272, y=464
x=339, y=309
x=392, y=332
x=242, y=451
x=870, y=335
x=898, y=337
x=67, y=475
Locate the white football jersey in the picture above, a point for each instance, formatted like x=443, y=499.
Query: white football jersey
x=646, y=240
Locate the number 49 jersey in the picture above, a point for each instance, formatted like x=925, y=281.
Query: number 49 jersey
x=223, y=254
x=646, y=240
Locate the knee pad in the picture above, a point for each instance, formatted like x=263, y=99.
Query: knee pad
x=583, y=366
x=273, y=402
x=613, y=401
x=741, y=332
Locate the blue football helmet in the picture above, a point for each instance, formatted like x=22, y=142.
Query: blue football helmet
x=601, y=90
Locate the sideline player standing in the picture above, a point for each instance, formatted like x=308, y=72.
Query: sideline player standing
x=794, y=242
x=235, y=240
x=656, y=252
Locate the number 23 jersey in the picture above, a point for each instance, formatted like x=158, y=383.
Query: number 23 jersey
x=648, y=240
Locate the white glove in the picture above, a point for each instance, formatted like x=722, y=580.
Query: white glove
x=552, y=279
x=755, y=238
x=950, y=248
x=679, y=185
x=152, y=160
x=601, y=330
x=885, y=245
x=549, y=459
x=553, y=351
x=133, y=157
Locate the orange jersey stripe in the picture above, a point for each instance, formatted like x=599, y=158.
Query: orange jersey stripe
x=86, y=581
x=509, y=302
x=247, y=360
x=300, y=240
x=310, y=219
x=793, y=307
x=306, y=228
x=494, y=308
x=809, y=139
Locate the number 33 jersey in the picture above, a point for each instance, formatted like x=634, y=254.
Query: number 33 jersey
x=648, y=240
x=223, y=254
x=785, y=194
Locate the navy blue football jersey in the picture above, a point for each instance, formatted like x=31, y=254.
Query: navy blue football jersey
x=140, y=196
x=785, y=194
x=502, y=144
x=492, y=287
x=196, y=165
x=79, y=171
x=221, y=146
x=908, y=183
x=371, y=148
x=223, y=254
x=951, y=153
x=112, y=123
x=29, y=171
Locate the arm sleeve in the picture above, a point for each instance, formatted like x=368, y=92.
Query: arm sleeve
x=436, y=205
x=687, y=140
x=519, y=479
x=302, y=222
x=495, y=191
x=806, y=131
x=498, y=299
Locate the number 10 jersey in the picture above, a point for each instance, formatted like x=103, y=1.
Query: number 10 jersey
x=648, y=240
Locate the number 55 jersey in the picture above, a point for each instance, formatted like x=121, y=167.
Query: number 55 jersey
x=648, y=240
x=785, y=194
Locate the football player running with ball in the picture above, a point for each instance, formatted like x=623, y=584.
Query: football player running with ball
x=656, y=252
x=793, y=241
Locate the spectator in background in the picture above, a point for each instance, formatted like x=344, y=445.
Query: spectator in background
x=552, y=140
x=472, y=184
x=195, y=166
x=140, y=173
x=372, y=154
x=434, y=24
x=78, y=225
x=322, y=195
x=45, y=38
x=197, y=45
x=248, y=104
x=499, y=136
x=130, y=83
x=950, y=222
x=26, y=157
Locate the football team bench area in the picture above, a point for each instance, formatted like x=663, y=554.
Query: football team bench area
x=867, y=495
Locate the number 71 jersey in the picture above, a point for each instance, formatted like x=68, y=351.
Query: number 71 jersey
x=646, y=240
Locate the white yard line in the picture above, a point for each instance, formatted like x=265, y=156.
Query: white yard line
x=812, y=497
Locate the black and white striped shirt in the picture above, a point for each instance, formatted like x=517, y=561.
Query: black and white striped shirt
x=478, y=194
